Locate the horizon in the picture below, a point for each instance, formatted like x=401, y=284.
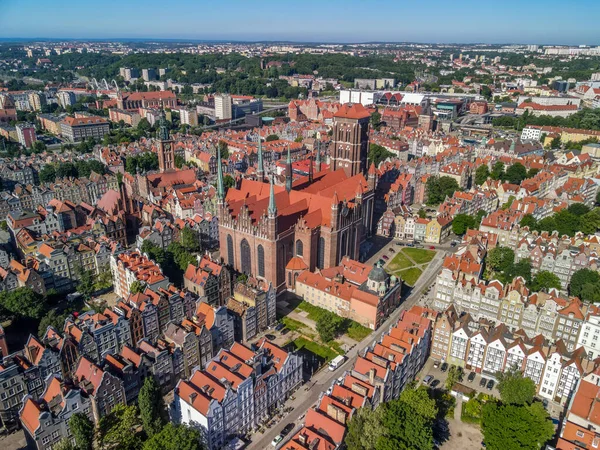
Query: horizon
x=332, y=22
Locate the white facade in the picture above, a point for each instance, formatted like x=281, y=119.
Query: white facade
x=531, y=134
x=589, y=337
x=223, y=108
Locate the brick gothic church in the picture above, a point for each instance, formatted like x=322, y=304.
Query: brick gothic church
x=275, y=232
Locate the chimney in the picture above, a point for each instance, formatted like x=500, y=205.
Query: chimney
x=372, y=377
x=303, y=438
x=193, y=396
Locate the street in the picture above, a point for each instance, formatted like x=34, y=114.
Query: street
x=307, y=395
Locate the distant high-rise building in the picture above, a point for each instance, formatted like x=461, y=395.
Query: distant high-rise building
x=149, y=74
x=128, y=73
x=66, y=98
x=223, y=107
x=36, y=100
x=188, y=117
x=162, y=71
x=26, y=134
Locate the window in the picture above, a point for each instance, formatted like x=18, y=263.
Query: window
x=321, y=253
x=261, y=260
x=245, y=256
x=299, y=248
x=230, y=250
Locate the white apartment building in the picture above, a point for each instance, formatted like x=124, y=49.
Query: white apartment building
x=223, y=107
x=589, y=336
x=531, y=133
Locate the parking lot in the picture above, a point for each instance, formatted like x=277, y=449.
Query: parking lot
x=438, y=374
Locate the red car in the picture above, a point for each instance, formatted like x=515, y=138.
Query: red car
x=431, y=247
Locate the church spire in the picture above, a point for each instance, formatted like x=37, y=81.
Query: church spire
x=220, y=188
x=288, y=168
x=261, y=168
x=310, y=169
x=163, y=129
x=272, y=206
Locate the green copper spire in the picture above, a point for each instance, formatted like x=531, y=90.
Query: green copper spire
x=220, y=188
x=163, y=129
x=288, y=169
x=272, y=206
x=513, y=144
x=261, y=168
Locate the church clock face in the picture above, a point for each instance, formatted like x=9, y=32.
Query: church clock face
x=167, y=147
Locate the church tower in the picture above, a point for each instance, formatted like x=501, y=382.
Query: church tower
x=350, y=139
x=260, y=171
x=166, y=147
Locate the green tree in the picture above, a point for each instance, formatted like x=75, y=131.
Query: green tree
x=272, y=137
x=143, y=125
x=598, y=197
x=189, y=240
x=519, y=269
x=329, y=326
x=515, y=389
x=582, y=278
x=64, y=444
x=52, y=319
x=438, y=188
x=87, y=280
x=175, y=437
x=463, y=222
x=481, y=174
x=405, y=428
x=497, y=170
x=555, y=143
x=137, y=287
x=528, y=221
x=82, y=429
x=23, y=302
x=152, y=407
x=375, y=120
x=500, y=259
x=515, y=427
x=121, y=429
x=532, y=172
x=544, y=281
x=578, y=209
x=516, y=173
x=181, y=256
x=47, y=174
x=228, y=181
x=590, y=223
x=422, y=213
x=179, y=161
x=454, y=376
x=378, y=153
x=419, y=401
x=364, y=429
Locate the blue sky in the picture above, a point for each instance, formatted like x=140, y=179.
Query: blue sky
x=519, y=21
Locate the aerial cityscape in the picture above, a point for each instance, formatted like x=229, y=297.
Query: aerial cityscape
x=299, y=227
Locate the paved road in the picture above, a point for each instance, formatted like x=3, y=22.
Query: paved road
x=308, y=394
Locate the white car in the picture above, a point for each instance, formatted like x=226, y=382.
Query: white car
x=277, y=440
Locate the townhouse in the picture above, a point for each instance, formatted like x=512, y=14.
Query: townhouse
x=45, y=420
x=238, y=390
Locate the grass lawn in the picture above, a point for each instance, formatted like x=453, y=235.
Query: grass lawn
x=419, y=255
x=314, y=312
x=291, y=324
x=317, y=349
x=357, y=332
x=410, y=276
x=399, y=262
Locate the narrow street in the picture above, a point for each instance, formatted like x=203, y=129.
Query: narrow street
x=307, y=395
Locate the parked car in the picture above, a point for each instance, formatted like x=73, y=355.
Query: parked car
x=410, y=244
x=399, y=243
x=471, y=377
x=392, y=250
x=436, y=364
x=279, y=327
x=277, y=440
x=444, y=367
x=428, y=379
x=381, y=262
x=289, y=427
x=483, y=382
x=452, y=244
x=435, y=383
x=419, y=246
x=431, y=247
x=271, y=336
x=490, y=385
x=385, y=257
